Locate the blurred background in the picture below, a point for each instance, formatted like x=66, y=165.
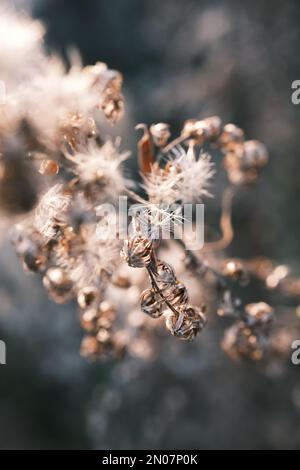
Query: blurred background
x=180, y=60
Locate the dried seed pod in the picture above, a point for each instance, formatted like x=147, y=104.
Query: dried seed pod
x=171, y=322
x=58, y=285
x=34, y=260
x=106, y=320
x=187, y=324
x=112, y=102
x=160, y=133
x=27, y=242
x=245, y=161
x=230, y=137
x=234, y=269
x=106, y=315
x=164, y=274
x=106, y=307
x=103, y=335
x=88, y=319
x=177, y=295
x=200, y=131
x=86, y=296
x=238, y=170
x=30, y=249
x=193, y=323
x=259, y=313
x=49, y=168
x=137, y=251
x=195, y=130
x=90, y=347
x=214, y=127
x=151, y=303
x=76, y=129
x=197, y=316
x=255, y=154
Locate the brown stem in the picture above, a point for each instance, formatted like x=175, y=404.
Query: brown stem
x=225, y=224
x=175, y=142
x=159, y=292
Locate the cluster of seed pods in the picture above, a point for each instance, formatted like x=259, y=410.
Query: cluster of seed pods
x=167, y=296
x=243, y=159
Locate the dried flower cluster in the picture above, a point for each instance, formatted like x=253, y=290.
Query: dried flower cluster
x=167, y=293
x=57, y=166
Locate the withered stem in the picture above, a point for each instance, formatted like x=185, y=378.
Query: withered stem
x=225, y=224
x=158, y=291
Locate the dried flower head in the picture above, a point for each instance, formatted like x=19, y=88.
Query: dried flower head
x=187, y=324
x=137, y=251
x=151, y=303
x=56, y=165
x=58, y=285
x=160, y=133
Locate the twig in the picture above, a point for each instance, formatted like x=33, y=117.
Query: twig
x=225, y=224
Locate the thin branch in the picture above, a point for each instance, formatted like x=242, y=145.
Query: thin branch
x=225, y=224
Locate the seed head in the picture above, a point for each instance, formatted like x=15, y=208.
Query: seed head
x=151, y=303
x=137, y=251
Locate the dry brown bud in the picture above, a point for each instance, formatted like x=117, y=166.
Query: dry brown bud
x=58, y=285
x=151, y=303
x=76, y=129
x=34, y=260
x=255, y=154
x=87, y=296
x=88, y=319
x=164, y=274
x=177, y=295
x=230, y=137
x=259, y=313
x=89, y=347
x=106, y=314
x=187, y=324
x=214, y=126
x=49, y=168
x=245, y=161
x=200, y=131
x=137, y=251
x=160, y=133
x=112, y=102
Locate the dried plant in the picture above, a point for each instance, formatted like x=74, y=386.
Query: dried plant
x=57, y=166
